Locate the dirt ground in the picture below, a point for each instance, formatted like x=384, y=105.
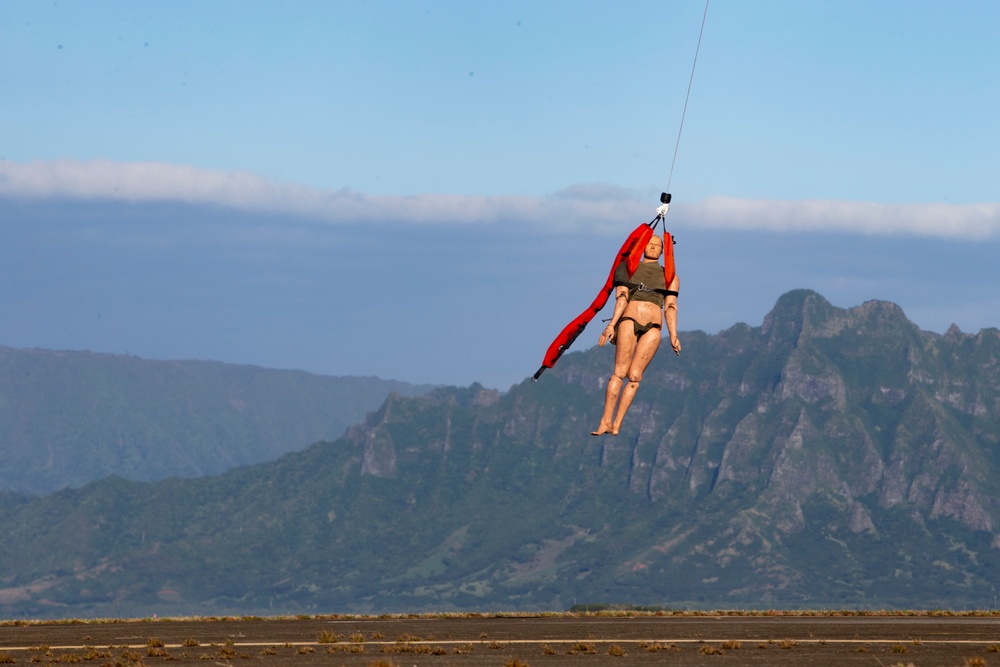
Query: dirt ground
x=545, y=640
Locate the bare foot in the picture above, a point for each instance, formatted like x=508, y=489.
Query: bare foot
x=602, y=429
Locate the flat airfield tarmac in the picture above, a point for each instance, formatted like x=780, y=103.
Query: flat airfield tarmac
x=671, y=638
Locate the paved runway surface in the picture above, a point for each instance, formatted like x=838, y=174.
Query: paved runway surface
x=922, y=641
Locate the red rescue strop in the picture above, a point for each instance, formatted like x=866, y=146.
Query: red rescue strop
x=631, y=253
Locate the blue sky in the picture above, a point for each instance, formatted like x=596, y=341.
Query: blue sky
x=428, y=191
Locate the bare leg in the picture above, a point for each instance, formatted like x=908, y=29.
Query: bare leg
x=625, y=348
x=610, y=401
x=626, y=403
x=645, y=350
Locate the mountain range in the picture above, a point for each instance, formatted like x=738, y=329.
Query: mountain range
x=828, y=458
x=68, y=418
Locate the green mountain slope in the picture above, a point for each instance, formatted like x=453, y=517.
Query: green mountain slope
x=828, y=458
x=67, y=418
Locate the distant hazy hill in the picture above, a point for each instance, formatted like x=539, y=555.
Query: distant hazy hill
x=828, y=458
x=67, y=418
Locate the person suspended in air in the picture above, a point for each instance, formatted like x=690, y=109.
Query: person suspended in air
x=645, y=297
x=643, y=301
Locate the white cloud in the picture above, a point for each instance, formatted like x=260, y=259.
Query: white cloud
x=151, y=181
x=966, y=221
x=597, y=208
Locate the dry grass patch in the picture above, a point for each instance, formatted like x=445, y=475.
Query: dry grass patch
x=407, y=647
x=586, y=648
x=653, y=647
x=94, y=654
x=346, y=648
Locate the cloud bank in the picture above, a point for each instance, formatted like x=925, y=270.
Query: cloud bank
x=594, y=208
x=962, y=221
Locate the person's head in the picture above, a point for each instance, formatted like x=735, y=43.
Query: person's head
x=654, y=248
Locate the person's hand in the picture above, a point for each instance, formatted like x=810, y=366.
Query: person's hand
x=675, y=343
x=607, y=336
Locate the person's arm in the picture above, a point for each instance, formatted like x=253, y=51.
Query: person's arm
x=621, y=300
x=670, y=314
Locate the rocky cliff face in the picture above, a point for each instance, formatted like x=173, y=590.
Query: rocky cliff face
x=855, y=409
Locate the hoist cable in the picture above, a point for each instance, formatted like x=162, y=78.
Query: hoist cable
x=687, y=96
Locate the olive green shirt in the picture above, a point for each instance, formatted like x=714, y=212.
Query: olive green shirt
x=646, y=284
